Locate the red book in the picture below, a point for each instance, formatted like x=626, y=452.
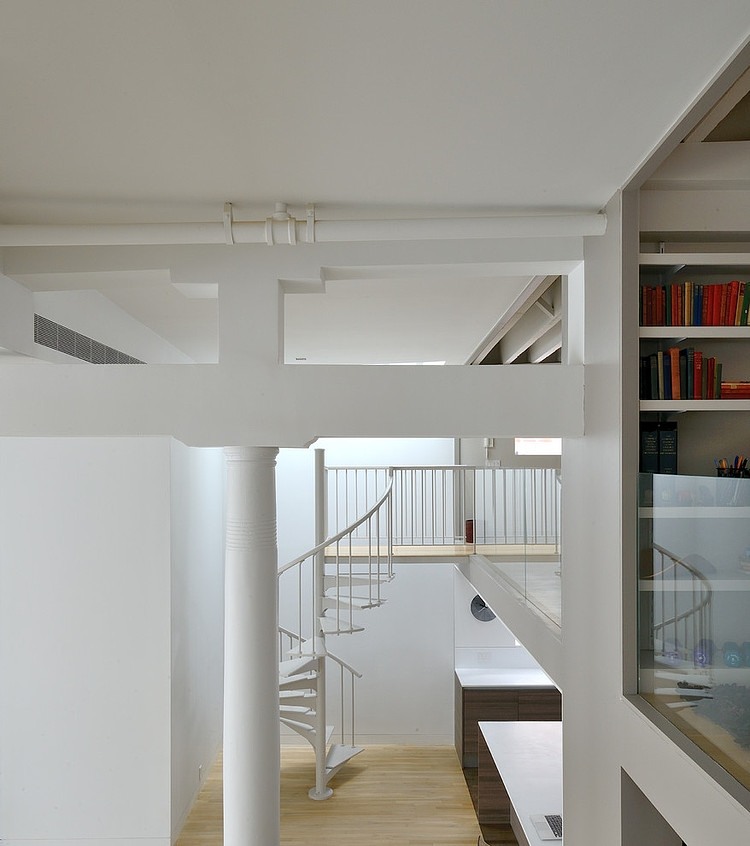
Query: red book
x=710, y=376
x=704, y=305
x=722, y=318
x=659, y=315
x=734, y=287
x=674, y=360
x=735, y=390
x=697, y=374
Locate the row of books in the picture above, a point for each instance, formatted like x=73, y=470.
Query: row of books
x=658, y=448
x=680, y=374
x=694, y=304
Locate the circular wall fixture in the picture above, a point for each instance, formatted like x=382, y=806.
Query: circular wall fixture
x=481, y=610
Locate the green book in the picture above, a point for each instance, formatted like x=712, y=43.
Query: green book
x=745, y=305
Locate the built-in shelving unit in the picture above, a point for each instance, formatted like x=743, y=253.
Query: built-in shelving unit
x=694, y=535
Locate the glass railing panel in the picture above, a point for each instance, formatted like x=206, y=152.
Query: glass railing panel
x=694, y=610
x=526, y=550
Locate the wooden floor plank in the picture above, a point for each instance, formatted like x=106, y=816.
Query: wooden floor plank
x=407, y=795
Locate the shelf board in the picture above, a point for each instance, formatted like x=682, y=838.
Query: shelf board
x=675, y=406
x=694, y=259
x=718, y=333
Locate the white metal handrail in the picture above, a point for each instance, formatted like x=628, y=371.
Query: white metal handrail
x=346, y=672
x=681, y=633
x=343, y=569
x=441, y=505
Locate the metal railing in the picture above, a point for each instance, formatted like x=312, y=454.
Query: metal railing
x=291, y=646
x=345, y=571
x=454, y=504
x=681, y=610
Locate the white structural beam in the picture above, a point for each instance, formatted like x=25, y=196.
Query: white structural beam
x=527, y=331
x=536, y=286
x=549, y=343
x=725, y=105
x=290, y=405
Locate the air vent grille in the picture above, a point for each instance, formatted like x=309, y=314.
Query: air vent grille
x=67, y=341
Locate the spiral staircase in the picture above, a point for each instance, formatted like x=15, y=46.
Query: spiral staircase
x=341, y=576
x=378, y=512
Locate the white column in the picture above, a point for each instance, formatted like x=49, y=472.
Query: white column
x=251, y=669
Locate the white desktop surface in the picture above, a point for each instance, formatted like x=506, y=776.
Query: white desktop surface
x=494, y=677
x=528, y=756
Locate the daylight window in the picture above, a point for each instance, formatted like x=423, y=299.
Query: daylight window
x=538, y=446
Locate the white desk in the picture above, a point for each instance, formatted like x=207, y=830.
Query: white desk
x=524, y=677
x=528, y=758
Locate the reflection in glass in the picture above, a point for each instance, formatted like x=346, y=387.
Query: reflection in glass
x=694, y=604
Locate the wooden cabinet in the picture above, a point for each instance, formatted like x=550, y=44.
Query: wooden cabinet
x=498, y=704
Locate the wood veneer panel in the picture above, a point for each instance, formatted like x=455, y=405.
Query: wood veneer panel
x=493, y=802
x=539, y=705
x=490, y=705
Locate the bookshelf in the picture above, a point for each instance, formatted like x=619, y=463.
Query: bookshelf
x=727, y=344
x=695, y=515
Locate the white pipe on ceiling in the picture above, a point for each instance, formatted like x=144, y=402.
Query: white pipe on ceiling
x=282, y=228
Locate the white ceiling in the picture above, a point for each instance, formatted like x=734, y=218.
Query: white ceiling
x=152, y=110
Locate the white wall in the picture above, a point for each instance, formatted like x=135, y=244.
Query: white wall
x=197, y=618
x=488, y=644
x=16, y=317
x=405, y=656
x=375, y=452
x=84, y=641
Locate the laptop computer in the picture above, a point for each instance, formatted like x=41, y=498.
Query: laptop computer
x=548, y=826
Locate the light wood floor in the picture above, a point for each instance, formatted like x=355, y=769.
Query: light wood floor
x=406, y=795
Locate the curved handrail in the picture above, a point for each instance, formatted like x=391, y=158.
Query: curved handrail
x=293, y=636
x=681, y=561
x=706, y=589
x=344, y=532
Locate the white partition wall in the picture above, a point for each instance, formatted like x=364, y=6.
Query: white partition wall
x=197, y=617
x=84, y=641
x=101, y=696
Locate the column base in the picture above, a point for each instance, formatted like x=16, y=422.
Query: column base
x=326, y=793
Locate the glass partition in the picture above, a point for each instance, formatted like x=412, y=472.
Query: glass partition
x=694, y=610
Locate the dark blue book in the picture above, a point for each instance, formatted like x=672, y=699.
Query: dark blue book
x=683, y=374
x=654, y=371
x=645, y=380
x=649, y=458
x=668, y=448
x=667, y=378
x=698, y=308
